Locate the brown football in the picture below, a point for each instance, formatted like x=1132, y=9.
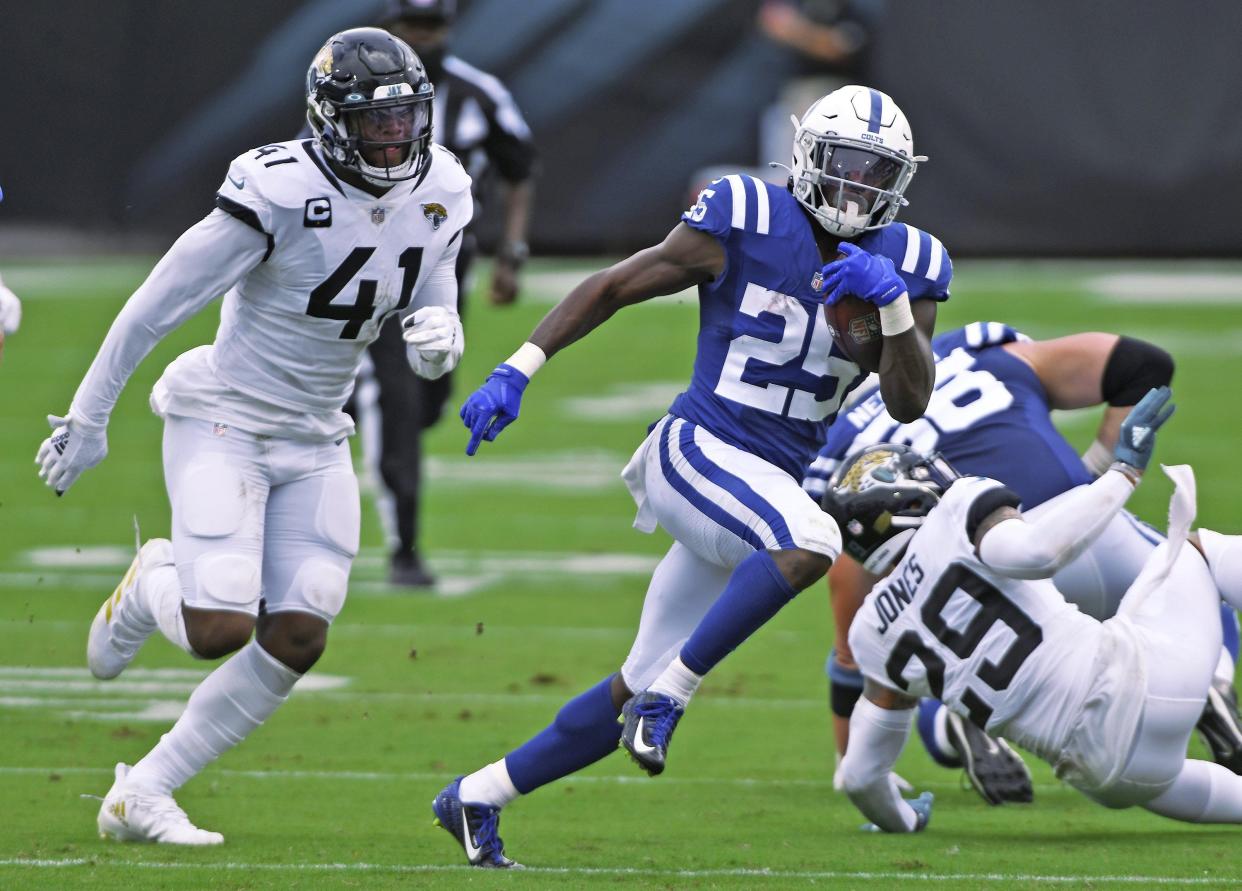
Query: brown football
x=855, y=326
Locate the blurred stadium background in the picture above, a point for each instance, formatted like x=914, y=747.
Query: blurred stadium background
x=1104, y=132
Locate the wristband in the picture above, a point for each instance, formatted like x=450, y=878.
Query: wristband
x=1129, y=471
x=528, y=359
x=896, y=318
x=1097, y=458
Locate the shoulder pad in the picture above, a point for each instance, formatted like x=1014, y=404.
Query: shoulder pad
x=976, y=336
x=278, y=175
x=920, y=258
x=446, y=172
x=736, y=201
x=972, y=498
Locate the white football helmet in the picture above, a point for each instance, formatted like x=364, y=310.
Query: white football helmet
x=853, y=157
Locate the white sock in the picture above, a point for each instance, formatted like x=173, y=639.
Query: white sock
x=1224, y=557
x=941, y=733
x=161, y=590
x=1224, y=667
x=677, y=682
x=490, y=785
x=230, y=702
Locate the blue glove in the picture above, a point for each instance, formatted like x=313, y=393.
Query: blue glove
x=1138, y=430
x=494, y=406
x=922, y=809
x=873, y=277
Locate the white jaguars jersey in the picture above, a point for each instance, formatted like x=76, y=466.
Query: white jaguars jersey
x=339, y=262
x=1009, y=654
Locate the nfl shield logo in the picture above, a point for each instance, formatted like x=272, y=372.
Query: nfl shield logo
x=377, y=215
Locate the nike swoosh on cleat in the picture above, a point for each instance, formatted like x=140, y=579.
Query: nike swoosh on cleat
x=467, y=842
x=640, y=747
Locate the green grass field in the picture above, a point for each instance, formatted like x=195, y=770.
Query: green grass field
x=543, y=581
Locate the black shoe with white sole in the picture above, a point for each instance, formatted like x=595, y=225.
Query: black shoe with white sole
x=1221, y=727
x=995, y=770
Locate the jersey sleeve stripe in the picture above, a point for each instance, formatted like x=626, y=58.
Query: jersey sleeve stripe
x=996, y=332
x=911, y=260
x=737, y=191
x=937, y=257
x=974, y=335
x=249, y=217
x=761, y=206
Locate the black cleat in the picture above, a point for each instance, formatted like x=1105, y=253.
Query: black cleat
x=474, y=827
x=996, y=771
x=1221, y=727
x=407, y=571
x=649, y=719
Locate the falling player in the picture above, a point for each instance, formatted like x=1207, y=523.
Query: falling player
x=990, y=415
x=314, y=244
x=721, y=471
x=968, y=615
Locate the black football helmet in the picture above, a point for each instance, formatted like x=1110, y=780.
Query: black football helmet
x=369, y=104
x=879, y=497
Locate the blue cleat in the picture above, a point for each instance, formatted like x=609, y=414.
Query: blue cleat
x=473, y=826
x=649, y=719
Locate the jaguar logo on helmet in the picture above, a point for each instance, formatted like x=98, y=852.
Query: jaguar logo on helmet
x=436, y=213
x=323, y=61
x=879, y=497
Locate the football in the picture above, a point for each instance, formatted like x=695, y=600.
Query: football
x=855, y=326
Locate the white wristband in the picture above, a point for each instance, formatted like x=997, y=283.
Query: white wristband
x=896, y=316
x=1097, y=458
x=528, y=359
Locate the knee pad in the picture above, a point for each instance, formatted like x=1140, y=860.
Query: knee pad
x=818, y=532
x=227, y=578
x=321, y=585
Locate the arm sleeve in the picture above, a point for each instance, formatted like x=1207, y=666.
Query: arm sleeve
x=877, y=736
x=207, y=260
x=1037, y=549
x=440, y=286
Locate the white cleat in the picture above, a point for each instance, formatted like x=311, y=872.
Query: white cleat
x=123, y=623
x=129, y=816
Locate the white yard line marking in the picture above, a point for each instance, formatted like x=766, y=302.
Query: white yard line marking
x=144, y=694
x=840, y=875
x=635, y=778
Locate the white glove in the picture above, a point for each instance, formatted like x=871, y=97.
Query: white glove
x=10, y=310
x=70, y=450
x=434, y=341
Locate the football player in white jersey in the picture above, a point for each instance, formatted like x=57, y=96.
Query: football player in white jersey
x=968, y=614
x=314, y=244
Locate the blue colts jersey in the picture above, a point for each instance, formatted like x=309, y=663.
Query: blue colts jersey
x=768, y=377
x=988, y=416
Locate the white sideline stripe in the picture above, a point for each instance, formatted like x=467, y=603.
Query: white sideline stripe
x=844, y=875
x=636, y=779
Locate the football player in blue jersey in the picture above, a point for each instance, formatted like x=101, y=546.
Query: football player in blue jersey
x=989, y=415
x=721, y=471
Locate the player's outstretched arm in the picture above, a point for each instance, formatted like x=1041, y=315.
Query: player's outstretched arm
x=1083, y=370
x=879, y=728
x=685, y=258
x=1036, y=549
x=208, y=259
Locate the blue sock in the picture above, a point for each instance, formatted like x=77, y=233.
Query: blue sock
x=927, y=731
x=1229, y=630
x=755, y=593
x=585, y=730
